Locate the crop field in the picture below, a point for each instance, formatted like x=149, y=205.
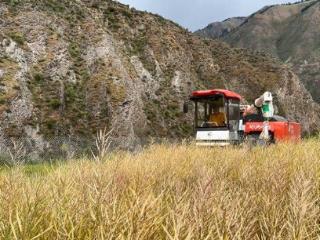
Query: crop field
x=168, y=192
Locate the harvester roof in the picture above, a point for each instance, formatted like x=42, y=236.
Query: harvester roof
x=210, y=93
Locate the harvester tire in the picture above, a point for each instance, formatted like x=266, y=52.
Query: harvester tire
x=253, y=140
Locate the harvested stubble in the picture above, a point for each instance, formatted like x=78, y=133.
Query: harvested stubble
x=169, y=192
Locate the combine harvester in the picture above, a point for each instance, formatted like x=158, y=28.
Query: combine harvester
x=220, y=120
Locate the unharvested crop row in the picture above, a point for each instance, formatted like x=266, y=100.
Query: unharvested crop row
x=169, y=192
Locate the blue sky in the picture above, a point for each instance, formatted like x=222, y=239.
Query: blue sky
x=195, y=14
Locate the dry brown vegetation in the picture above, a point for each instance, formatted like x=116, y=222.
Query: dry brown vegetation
x=168, y=192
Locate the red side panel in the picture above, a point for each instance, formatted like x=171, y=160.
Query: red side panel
x=295, y=131
x=253, y=127
x=282, y=131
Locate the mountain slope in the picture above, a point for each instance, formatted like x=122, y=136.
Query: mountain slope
x=220, y=29
x=70, y=68
x=288, y=32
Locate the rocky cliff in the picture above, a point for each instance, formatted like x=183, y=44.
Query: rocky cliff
x=70, y=68
x=220, y=29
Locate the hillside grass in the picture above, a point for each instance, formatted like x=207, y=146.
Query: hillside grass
x=168, y=192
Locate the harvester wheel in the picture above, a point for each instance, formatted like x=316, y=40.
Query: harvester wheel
x=254, y=140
